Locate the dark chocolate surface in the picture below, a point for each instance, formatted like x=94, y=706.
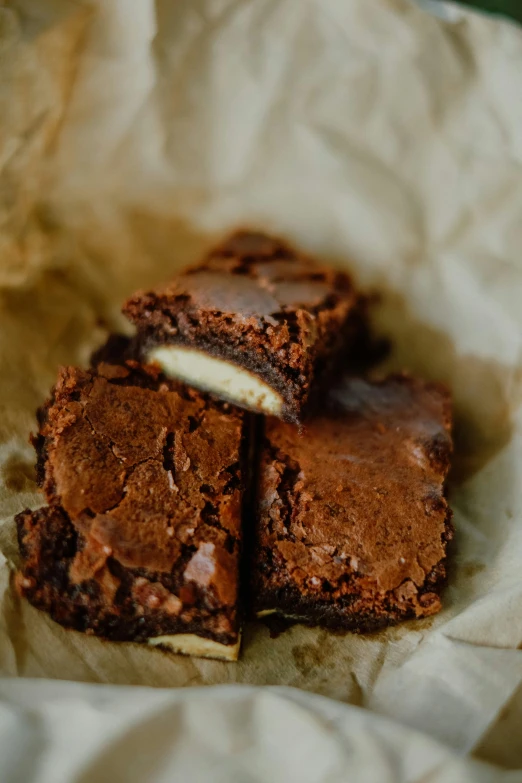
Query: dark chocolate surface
x=255, y=301
x=352, y=521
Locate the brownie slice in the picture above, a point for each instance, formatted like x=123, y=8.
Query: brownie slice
x=256, y=323
x=142, y=538
x=352, y=523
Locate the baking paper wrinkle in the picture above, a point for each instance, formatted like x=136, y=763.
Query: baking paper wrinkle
x=384, y=140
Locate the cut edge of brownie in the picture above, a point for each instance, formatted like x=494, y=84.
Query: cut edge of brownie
x=290, y=604
x=48, y=543
x=254, y=388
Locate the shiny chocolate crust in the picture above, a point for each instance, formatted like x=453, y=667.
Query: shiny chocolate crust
x=142, y=537
x=352, y=522
x=256, y=302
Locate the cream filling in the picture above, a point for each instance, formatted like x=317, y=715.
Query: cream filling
x=199, y=646
x=267, y=612
x=222, y=378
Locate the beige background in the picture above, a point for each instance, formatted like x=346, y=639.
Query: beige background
x=131, y=134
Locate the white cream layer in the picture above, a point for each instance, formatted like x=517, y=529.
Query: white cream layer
x=217, y=376
x=191, y=644
x=294, y=617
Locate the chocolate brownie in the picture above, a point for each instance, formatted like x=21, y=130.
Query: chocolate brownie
x=352, y=523
x=256, y=322
x=142, y=537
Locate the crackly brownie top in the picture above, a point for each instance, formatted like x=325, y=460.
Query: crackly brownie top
x=149, y=473
x=362, y=491
x=254, y=291
x=255, y=276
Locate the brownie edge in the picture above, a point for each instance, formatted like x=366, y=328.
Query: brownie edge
x=113, y=604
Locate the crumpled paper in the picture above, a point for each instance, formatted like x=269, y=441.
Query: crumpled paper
x=61, y=731
x=373, y=134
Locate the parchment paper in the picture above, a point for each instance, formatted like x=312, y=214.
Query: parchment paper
x=385, y=140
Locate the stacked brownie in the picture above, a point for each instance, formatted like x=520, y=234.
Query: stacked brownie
x=154, y=463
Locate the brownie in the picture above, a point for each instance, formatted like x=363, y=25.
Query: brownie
x=141, y=540
x=256, y=322
x=117, y=349
x=352, y=523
